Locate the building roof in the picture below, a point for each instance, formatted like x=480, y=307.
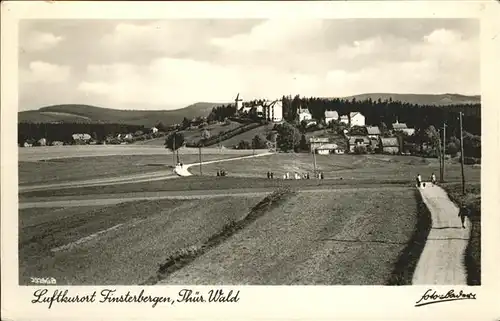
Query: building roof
x=353, y=139
x=319, y=140
x=331, y=114
x=399, y=126
x=389, y=142
x=329, y=146
x=373, y=130
x=81, y=136
x=409, y=131
x=355, y=113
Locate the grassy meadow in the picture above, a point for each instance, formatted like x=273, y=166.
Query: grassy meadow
x=139, y=237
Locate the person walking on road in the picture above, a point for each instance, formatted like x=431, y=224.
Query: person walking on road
x=463, y=213
x=419, y=180
x=433, y=179
x=268, y=175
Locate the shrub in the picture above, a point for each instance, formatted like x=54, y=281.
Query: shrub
x=360, y=149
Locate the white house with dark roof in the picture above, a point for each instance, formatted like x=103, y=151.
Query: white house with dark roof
x=273, y=111
x=357, y=119
x=331, y=115
x=304, y=114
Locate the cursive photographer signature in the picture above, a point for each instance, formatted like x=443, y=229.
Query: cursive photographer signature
x=431, y=297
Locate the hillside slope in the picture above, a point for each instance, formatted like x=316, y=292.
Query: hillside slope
x=93, y=114
x=421, y=99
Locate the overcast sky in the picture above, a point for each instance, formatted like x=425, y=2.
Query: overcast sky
x=171, y=64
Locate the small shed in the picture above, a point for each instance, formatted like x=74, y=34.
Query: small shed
x=389, y=145
x=373, y=132
x=326, y=149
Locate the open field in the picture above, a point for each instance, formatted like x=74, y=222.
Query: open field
x=311, y=238
x=34, y=154
x=122, y=244
x=319, y=238
x=375, y=167
x=80, y=168
x=248, y=135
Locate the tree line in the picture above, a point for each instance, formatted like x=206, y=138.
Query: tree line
x=63, y=131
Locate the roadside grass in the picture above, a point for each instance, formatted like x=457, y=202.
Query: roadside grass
x=324, y=238
x=408, y=259
x=472, y=200
x=49, y=239
x=184, y=256
x=81, y=168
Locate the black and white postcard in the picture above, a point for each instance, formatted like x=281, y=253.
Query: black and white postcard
x=240, y=159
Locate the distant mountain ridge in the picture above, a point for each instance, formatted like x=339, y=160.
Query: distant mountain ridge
x=92, y=114
x=422, y=99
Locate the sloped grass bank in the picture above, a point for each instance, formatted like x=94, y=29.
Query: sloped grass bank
x=184, y=256
x=407, y=261
x=472, y=200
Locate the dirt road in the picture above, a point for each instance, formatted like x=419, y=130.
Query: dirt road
x=441, y=261
x=184, y=170
x=118, y=198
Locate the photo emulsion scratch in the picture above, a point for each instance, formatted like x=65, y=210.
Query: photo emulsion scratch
x=250, y=152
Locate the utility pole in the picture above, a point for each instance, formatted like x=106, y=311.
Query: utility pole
x=173, y=150
x=314, y=158
x=440, y=156
x=462, y=154
x=199, y=153
x=444, y=147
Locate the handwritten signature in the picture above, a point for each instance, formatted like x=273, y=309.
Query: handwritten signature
x=431, y=297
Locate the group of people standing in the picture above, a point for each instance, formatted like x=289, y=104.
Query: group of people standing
x=419, y=180
x=287, y=175
x=221, y=172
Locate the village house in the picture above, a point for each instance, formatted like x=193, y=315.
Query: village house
x=373, y=132
x=273, y=111
x=316, y=142
x=326, y=149
x=389, y=145
x=81, y=138
x=42, y=142
x=304, y=114
x=357, y=119
x=344, y=119
x=57, y=143
x=154, y=130
x=331, y=115
x=402, y=127
x=355, y=141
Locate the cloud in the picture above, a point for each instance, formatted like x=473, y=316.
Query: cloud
x=443, y=37
x=43, y=72
x=170, y=64
x=40, y=41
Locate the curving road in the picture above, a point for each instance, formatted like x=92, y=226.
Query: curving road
x=131, y=178
x=441, y=261
x=184, y=170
